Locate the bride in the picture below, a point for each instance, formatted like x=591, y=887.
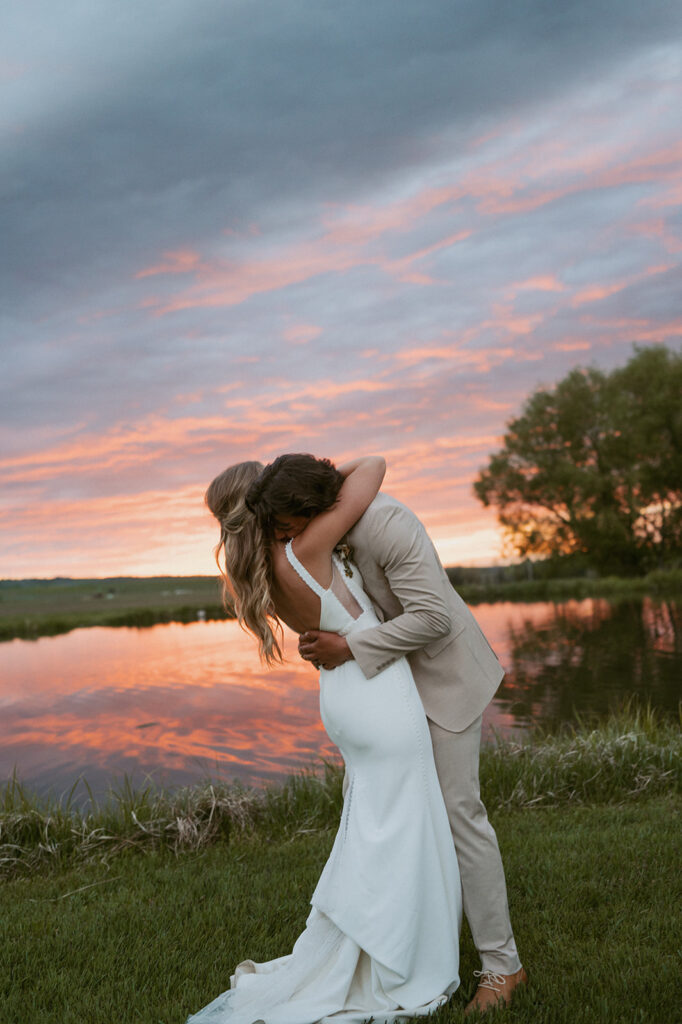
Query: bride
x=382, y=938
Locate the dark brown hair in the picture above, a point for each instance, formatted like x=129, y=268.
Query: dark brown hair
x=293, y=485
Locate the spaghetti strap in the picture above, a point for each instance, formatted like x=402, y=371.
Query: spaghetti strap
x=302, y=571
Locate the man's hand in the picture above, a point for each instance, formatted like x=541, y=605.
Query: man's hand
x=324, y=650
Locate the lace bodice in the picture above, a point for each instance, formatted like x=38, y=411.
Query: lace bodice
x=344, y=605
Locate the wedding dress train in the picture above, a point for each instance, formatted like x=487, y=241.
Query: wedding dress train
x=382, y=938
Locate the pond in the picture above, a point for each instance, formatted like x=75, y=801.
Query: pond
x=176, y=702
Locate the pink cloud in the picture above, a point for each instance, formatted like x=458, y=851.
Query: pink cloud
x=147, y=441
x=230, y=284
x=180, y=261
x=629, y=329
x=402, y=268
x=671, y=195
x=343, y=246
x=479, y=360
x=542, y=283
x=501, y=192
x=572, y=346
x=506, y=319
x=301, y=334
x=596, y=292
x=658, y=228
x=358, y=225
x=489, y=404
x=527, y=179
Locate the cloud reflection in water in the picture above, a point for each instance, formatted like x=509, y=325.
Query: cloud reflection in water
x=180, y=701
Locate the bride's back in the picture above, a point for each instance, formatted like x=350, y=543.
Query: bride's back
x=321, y=601
x=295, y=603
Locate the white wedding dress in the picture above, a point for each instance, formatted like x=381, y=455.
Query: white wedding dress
x=382, y=939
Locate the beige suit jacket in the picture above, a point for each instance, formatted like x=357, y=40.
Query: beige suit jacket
x=454, y=667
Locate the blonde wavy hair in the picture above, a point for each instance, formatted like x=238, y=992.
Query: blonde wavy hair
x=246, y=572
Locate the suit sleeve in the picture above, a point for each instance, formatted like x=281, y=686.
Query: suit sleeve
x=402, y=548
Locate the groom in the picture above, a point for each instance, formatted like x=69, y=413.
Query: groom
x=456, y=673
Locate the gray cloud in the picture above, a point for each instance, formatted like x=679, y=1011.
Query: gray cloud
x=141, y=139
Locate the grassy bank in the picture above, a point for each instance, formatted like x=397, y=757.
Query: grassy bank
x=587, y=824
x=33, y=608
x=633, y=754
x=661, y=583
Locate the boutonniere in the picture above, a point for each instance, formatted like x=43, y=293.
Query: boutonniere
x=345, y=553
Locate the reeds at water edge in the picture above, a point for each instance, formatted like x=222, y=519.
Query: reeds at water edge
x=634, y=753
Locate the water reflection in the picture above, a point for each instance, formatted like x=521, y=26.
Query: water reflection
x=178, y=701
x=173, y=700
x=587, y=656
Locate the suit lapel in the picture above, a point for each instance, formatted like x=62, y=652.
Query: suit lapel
x=384, y=600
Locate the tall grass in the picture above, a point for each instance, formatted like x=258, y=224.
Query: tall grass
x=634, y=753
x=40, y=834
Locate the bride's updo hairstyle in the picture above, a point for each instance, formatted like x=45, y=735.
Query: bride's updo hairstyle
x=293, y=485
x=246, y=573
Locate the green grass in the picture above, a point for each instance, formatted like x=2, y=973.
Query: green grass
x=139, y=910
x=594, y=894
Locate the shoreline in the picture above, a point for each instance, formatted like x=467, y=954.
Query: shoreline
x=636, y=753
x=30, y=609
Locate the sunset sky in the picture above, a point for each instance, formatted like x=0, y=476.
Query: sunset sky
x=235, y=229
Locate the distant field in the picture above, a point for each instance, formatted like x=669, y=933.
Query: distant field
x=32, y=608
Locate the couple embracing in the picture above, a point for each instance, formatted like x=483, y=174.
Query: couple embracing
x=405, y=673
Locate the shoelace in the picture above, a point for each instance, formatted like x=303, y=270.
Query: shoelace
x=490, y=980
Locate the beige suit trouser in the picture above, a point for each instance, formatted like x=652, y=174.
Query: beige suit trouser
x=484, y=890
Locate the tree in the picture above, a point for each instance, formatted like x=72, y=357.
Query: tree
x=594, y=466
